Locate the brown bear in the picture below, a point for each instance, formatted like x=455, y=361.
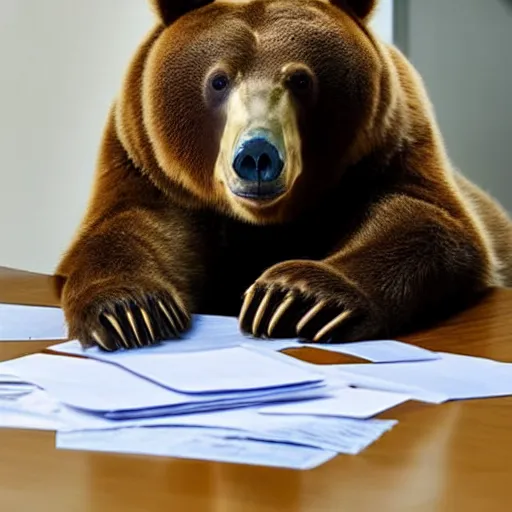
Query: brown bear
x=273, y=160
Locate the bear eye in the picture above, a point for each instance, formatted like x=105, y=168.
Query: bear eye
x=220, y=82
x=300, y=81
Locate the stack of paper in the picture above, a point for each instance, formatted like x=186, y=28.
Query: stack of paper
x=218, y=391
x=187, y=382
x=330, y=432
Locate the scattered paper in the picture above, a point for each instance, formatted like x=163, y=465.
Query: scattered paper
x=340, y=376
x=343, y=435
x=456, y=377
x=201, y=444
x=219, y=395
x=208, y=332
x=215, y=332
x=31, y=323
x=27, y=421
x=381, y=351
x=344, y=374
x=377, y=351
x=35, y=410
x=227, y=369
x=108, y=389
x=346, y=402
x=350, y=436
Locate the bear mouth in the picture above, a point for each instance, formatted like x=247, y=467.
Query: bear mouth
x=258, y=191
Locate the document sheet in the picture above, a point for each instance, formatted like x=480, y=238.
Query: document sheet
x=203, y=444
x=31, y=323
x=110, y=390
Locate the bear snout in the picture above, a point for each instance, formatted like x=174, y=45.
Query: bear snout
x=258, y=160
x=258, y=166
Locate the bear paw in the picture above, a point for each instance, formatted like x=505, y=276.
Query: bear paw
x=126, y=317
x=310, y=301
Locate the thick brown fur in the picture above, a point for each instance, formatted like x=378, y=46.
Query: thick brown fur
x=376, y=234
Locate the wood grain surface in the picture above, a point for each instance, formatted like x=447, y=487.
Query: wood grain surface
x=451, y=457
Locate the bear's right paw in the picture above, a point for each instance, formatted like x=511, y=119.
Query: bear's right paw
x=126, y=318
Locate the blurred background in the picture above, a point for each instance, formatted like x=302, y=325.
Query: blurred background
x=63, y=62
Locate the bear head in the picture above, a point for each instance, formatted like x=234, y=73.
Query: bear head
x=256, y=108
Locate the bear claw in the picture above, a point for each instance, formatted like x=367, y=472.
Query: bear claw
x=170, y=319
x=302, y=318
x=117, y=328
x=123, y=319
x=309, y=315
x=336, y=322
x=258, y=317
x=307, y=301
x=280, y=311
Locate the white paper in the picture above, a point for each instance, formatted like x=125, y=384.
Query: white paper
x=376, y=351
x=346, y=402
x=339, y=435
x=213, y=334
x=32, y=411
x=198, y=444
x=13, y=387
x=210, y=332
x=207, y=332
x=381, y=351
x=339, y=376
x=89, y=384
x=29, y=323
x=27, y=421
x=223, y=370
x=457, y=377
x=108, y=389
x=350, y=436
x=342, y=374
x=344, y=435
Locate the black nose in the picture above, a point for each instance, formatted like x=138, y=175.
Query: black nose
x=258, y=160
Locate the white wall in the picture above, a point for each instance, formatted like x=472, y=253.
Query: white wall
x=463, y=49
x=382, y=21
x=62, y=63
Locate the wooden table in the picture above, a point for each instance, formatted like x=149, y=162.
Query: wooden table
x=451, y=457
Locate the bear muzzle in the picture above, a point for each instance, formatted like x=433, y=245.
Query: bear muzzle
x=258, y=165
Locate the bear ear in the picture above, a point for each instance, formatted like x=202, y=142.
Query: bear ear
x=169, y=11
x=361, y=8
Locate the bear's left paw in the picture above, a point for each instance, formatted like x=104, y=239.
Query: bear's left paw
x=310, y=301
